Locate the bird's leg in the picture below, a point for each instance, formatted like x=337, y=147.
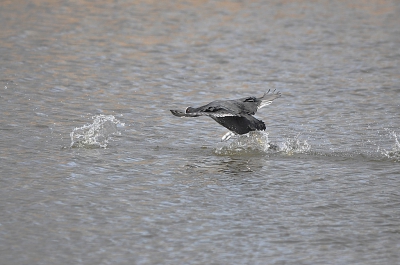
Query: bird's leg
x=227, y=136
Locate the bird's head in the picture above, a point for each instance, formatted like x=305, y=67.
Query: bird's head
x=189, y=110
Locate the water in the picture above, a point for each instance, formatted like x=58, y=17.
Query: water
x=96, y=170
x=97, y=134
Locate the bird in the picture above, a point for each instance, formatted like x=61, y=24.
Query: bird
x=236, y=115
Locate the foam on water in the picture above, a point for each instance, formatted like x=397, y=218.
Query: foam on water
x=97, y=134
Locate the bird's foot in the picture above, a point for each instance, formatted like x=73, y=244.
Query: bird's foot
x=227, y=136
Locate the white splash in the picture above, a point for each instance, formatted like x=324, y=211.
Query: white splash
x=395, y=152
x=97, y=134
x=294, y=146
x=252, y=142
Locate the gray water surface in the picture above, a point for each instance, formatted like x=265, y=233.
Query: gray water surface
x=94, y=169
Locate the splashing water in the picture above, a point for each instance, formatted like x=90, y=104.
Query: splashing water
x=294, y=146
x=97, y=134
x=252, y=142
x=258, y=142
x=395, y=152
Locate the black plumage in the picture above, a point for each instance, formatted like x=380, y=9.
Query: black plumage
x=235, y=115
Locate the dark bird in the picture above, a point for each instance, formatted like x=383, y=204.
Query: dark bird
x=235, y=115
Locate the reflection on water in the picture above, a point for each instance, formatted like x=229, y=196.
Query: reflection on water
x=167, y=191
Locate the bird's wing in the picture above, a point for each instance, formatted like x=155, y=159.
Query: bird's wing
x=211, y=112
x=267, y=98
x=254, y=123
x=215, y=109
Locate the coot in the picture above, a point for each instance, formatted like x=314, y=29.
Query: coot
x=235, y=115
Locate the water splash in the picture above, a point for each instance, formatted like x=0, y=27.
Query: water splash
x=252, y=142
x=294, y=146
x=97, y=134
x=393, y=154
x=258, y=142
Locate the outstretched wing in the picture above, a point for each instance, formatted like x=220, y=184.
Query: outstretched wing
x=267, y=99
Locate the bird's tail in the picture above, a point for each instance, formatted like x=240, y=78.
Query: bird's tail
x=179, y=113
